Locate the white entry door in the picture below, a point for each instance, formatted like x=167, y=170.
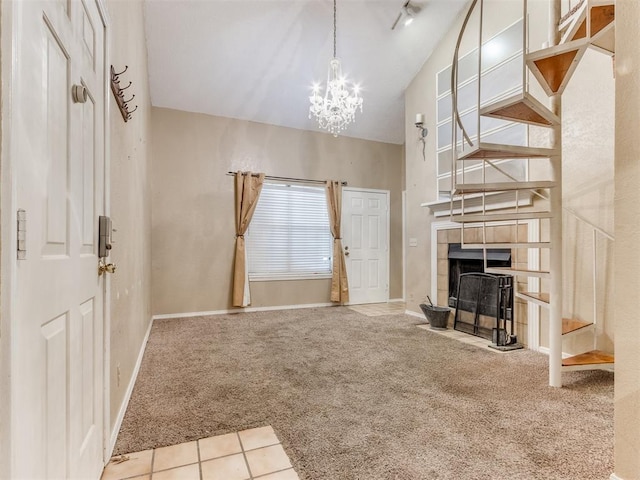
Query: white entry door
x=365, y=238
x=57, y=147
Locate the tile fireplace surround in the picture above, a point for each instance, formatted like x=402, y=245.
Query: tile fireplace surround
x=494, y=234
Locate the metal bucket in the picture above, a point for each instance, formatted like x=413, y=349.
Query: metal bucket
x=438, y=317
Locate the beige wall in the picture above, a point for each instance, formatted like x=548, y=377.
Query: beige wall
x=130, y=201
x=193, y=217
x=627, y=230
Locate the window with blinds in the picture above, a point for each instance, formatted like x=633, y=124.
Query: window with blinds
x=289, y=235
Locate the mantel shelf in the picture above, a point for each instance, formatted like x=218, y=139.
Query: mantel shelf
x=473, y=202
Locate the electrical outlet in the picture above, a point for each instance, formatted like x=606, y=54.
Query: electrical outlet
x=118, y=375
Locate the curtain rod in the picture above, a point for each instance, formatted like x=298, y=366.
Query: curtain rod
x=288, y=179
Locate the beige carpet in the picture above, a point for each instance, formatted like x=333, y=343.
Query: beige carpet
x=371, y=398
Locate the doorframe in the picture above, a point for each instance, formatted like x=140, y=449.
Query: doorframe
x=8, y=220
x=107, y=448
x=387, y=194
x=8, y=239
x=404, y=246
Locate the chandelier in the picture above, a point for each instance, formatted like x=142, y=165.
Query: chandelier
x=337, y=109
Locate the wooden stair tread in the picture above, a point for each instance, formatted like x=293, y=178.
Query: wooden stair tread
x=601, y=17
x=498, y=217
x=602, y=26
x=523, y=108
x=554, y=66
x=496, y=151
x=594, y=357
x=519, y=271
x=463, y=188
x=581, y=31
x=572, y=325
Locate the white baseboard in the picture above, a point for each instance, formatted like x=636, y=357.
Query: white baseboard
x=414, y=314
x=238, y=310
x=395, y=300
x=614, y=477
x=546, y=351
x=127, y=395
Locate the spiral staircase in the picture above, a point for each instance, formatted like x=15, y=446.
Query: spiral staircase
x=590, y=24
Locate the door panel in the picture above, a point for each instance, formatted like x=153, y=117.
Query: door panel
x=374, y=274
x=365, y=232
x=56, y=161
x=54, y=338
x=57, y=346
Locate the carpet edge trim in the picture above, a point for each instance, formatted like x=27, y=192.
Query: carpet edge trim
x=127, y=396
x=238, y=310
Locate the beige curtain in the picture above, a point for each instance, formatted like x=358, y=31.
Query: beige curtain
x=247, y=186
x=339, y=284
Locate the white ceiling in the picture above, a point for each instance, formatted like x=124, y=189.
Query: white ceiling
x=256, y=60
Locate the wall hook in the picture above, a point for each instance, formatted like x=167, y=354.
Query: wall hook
x=118, y=94
x=113, y=72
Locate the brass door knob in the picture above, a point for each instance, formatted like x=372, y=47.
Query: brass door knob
x=106, y=267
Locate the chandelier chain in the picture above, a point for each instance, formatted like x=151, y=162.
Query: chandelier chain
x=334, y=28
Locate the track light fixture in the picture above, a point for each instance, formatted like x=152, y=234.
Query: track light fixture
x=407, y=14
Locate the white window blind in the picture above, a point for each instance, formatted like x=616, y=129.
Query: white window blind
x=289, y=234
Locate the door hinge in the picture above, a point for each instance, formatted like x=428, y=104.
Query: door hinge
x=22, y=234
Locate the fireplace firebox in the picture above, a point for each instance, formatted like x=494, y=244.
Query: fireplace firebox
x=471, y=260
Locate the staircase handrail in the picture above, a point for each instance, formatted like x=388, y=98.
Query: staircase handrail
x=454, y=81
x=589, y=223
x=594, y=261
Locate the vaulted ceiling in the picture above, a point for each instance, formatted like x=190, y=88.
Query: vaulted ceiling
x=257, y=59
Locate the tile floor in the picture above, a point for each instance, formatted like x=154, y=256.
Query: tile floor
x=391, y=308
x=247, y=455
x=377, y=309
x=463, y=337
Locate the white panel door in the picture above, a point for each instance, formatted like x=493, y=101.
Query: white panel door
x=57, y=383
x=365, y=237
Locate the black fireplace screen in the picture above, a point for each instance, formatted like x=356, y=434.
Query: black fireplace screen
x=484, y=302
x=466, y=260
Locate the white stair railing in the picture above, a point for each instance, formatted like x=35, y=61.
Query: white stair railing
x=596, y=232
